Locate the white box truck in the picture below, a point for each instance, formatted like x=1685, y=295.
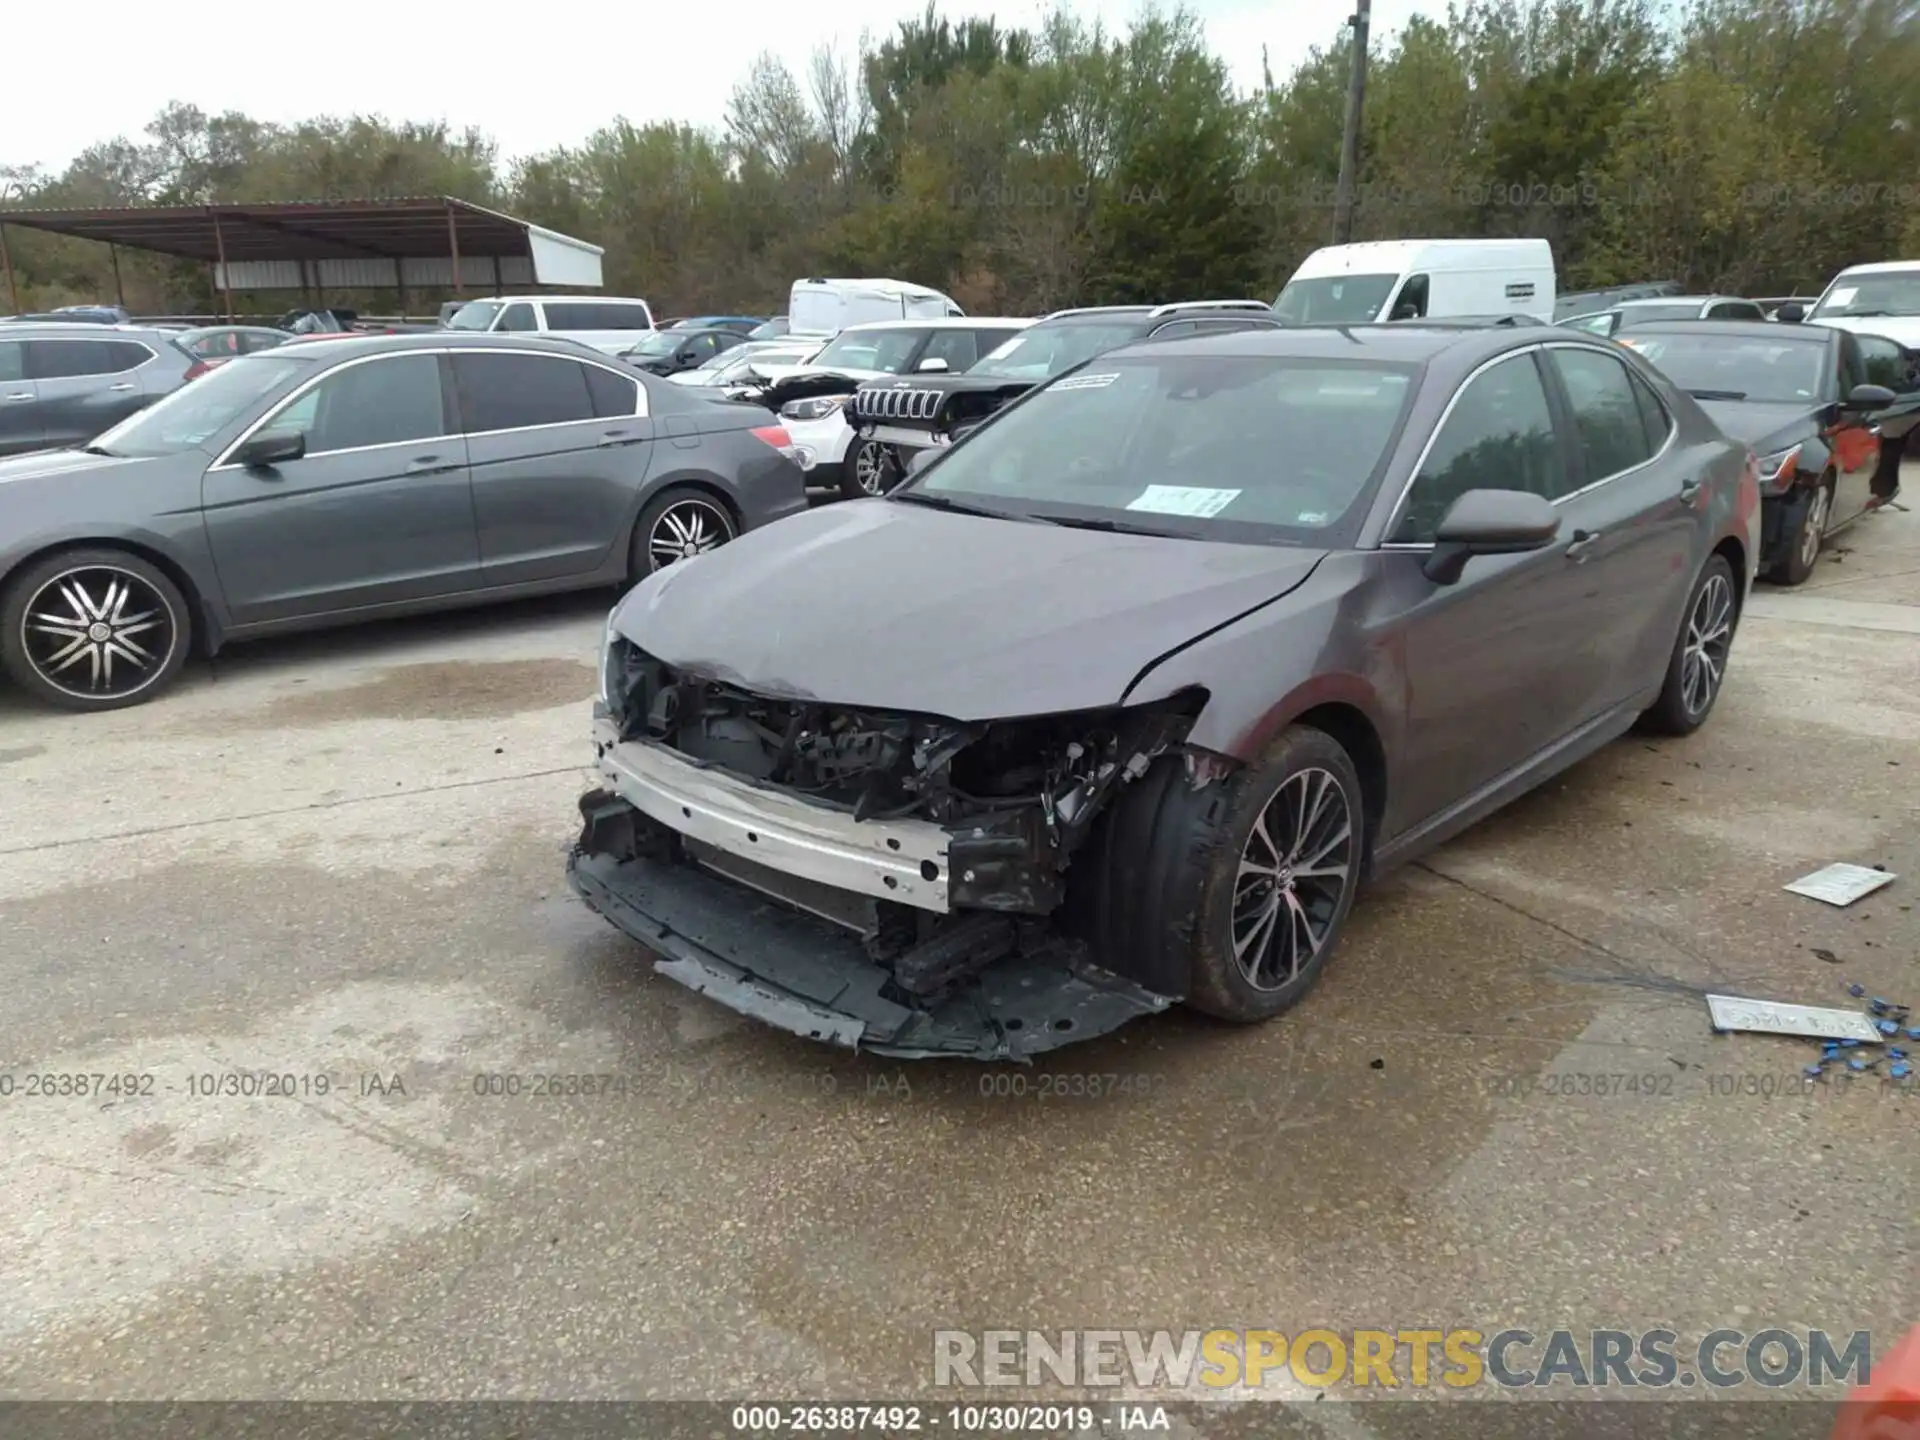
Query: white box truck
x=826, y=307
x=1380, y=280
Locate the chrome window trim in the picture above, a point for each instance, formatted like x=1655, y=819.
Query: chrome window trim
x=1393, y=516
x=152, y=354
x=224, y=462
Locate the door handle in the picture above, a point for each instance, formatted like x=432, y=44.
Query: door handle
x=428, y=465
x=617, y=437
x=19, y=398
x=124, y=385
x=1583, y=543
x=1690, y=489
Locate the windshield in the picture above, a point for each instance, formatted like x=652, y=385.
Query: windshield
x=1046, y=351
x=660, y=342
x=200, y=409
x=1221, y=447
x=1334, y=300
x=884, y=351
x=1892, y=292
x=1767, y=372
x=475, y=315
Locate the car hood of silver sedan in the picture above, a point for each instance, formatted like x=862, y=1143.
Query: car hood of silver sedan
x=888, y=606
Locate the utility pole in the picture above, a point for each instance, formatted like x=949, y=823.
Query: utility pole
x=1344, y=204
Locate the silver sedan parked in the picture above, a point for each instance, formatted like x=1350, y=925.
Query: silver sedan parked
x=352, y=479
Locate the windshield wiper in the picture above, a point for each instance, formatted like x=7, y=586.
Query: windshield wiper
x=1718, y=394
x=947, y=502
x=1115, y=527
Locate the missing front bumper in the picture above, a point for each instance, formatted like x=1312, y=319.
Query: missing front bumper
x=813, y=978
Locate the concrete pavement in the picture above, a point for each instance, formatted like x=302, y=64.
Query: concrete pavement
x=337, y=860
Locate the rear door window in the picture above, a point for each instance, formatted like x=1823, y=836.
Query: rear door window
x=13, y=361
x=1886, y=364
x=587, y=315
x=69, y=359
x=1607, y=419
x=516, y=392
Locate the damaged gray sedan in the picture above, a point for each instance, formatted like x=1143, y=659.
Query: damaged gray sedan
x=1116, y=703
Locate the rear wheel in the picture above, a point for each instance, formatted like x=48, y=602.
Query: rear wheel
x=94, y=630
x=1698, y=666
x=679, y=523
x=1807, y=525
x=870, y=468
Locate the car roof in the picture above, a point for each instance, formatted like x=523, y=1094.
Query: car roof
x=1749, y=329
x=565, y=299
x=333, y=347
x=1880, y=267
x=1401, y=343
x=941, y=322
x=81, y=330
x=1645, y=301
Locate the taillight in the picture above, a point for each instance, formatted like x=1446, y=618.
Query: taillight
x=195, y=371
x=779, y=439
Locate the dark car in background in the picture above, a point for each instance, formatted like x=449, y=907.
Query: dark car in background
x=62, y=384
x=1630, y=314
x=931, y=411
x=1116, y=704
x=682, y=347
x=744, y=323
x=1826, y=412
x=357, y=478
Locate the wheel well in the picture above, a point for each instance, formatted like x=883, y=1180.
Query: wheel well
x=1736, y=555
x=707, y=488
x=1357, y=737
x=203, y=627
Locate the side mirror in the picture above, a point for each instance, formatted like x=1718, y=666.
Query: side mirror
x=1790, y=313
x=1489, y=522
x=1869, y=397
x=271, y=447
x=934, y=366
x=920, y=459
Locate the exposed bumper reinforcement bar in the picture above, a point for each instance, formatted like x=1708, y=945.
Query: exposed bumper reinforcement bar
x=813, y=978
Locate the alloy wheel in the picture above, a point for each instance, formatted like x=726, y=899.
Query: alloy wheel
x=1709, y=638
x=687, y=528
x=1294, y=871
x=1813, y=528
x=870, y=468
x=98, y=633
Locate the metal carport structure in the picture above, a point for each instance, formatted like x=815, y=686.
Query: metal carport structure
x=422, y=242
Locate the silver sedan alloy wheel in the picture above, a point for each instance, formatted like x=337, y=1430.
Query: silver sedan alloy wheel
x=99, y=633
x=1294, y=871
x=687, y=528
x=1813, y=528
x=1703, y=664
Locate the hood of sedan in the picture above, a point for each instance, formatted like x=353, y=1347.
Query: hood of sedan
x=888, y=606
x=36, y=464
x=1764, y=427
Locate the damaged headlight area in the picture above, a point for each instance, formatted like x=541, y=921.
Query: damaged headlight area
x=938, y=853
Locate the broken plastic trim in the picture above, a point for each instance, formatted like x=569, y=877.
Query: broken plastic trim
x=812, y=978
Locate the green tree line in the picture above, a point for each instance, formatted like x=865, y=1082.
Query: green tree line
x=1749, y=146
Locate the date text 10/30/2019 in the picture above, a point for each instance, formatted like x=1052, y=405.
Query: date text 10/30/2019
x=957, y=1419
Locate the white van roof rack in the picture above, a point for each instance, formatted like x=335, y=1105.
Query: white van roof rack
x=1176, y=308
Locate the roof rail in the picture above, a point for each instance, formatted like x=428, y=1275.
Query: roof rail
x=1176, y=308
x=1089, y=310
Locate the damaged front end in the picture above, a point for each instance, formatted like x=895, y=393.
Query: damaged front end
x=884, y=881
x=928, y=412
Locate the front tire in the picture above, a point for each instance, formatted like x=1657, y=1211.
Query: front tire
x=678, y=523
x=1807, y=526
x=1698, y=666
x=1277, y=891
x=94, y=630
x=870, y=469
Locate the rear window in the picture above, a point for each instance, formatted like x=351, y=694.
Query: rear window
x=1224, y=447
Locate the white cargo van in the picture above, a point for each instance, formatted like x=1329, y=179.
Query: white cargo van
x=1420, y=279
x=826, y=307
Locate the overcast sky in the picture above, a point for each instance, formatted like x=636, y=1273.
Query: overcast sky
x=534, y=76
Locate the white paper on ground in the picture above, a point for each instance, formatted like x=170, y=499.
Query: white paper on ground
x=1840, y=884
x=1732, y=1012
x=1195, y=500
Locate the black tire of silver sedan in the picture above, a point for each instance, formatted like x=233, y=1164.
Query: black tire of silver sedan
x=679, y=522
x=1698, y=666
x=93, y=630
x=1277, y=888
x=1806, y=530
x=870, y=468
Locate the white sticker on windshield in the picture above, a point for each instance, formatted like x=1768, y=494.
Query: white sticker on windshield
x=1844, y=297
x=1184, y=500
x=1086, y=382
